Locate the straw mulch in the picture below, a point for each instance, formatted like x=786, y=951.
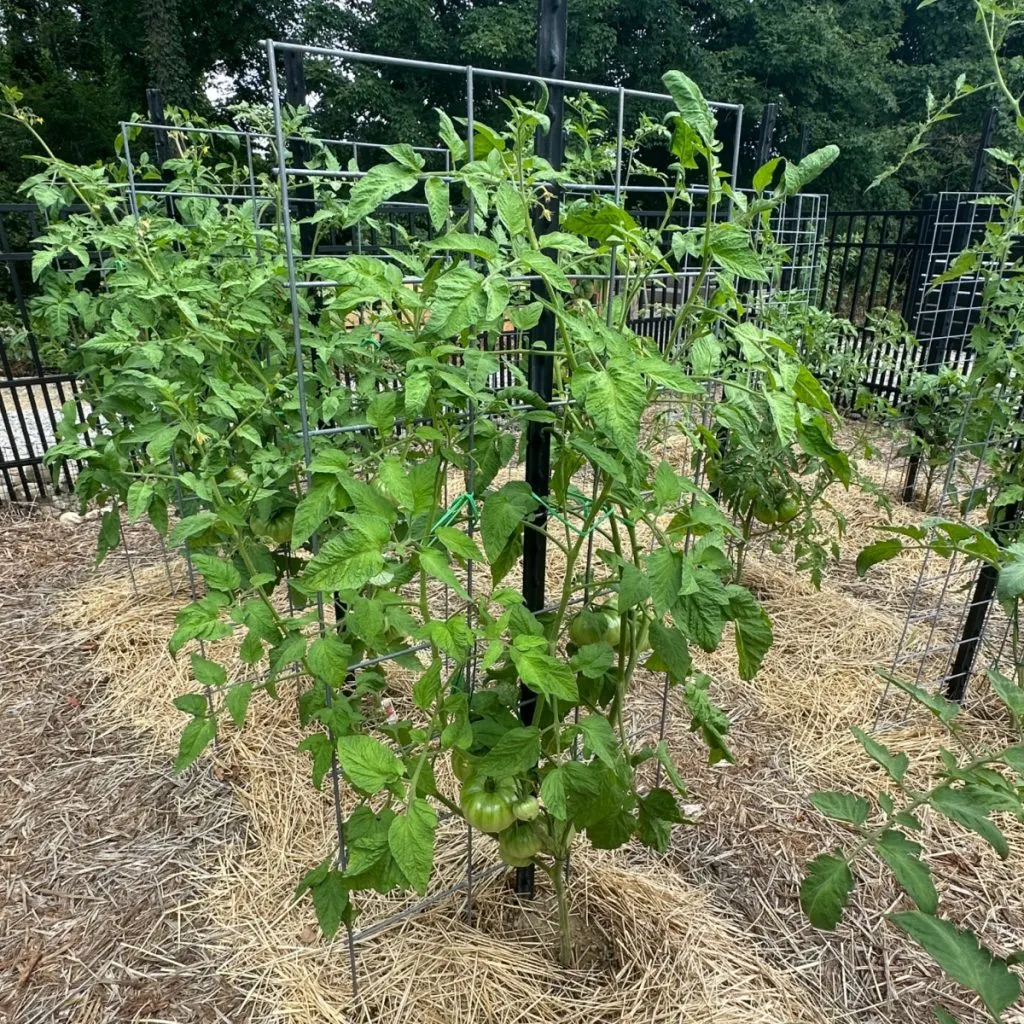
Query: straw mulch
x=654, y=948
x=103, y=851
x=710, y=932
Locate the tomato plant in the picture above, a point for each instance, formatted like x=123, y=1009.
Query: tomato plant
x=938, y=409
x=768, y=451
x=975, y=781
x=192, y=380
x=969, y=787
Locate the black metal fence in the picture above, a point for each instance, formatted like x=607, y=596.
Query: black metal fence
x=32, y=385
x=868, y=264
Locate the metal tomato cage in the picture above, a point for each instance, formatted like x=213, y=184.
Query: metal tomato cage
x=272, y=176
x=296, y=182
x=952, y=631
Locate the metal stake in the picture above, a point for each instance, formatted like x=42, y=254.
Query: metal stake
x=551, y=33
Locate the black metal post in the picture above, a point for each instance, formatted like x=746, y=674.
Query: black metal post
x=988, y=131
x=764, y=143
x=805, y=140
x=977, y=612
x=295, y=96
x=155, y=107
x=552, y=21
x=161, y=143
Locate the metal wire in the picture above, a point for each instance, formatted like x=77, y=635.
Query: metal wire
x=944, y=318
x=307, y=455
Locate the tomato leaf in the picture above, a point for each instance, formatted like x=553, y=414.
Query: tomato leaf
x=842, y=806
x=753, y=629
x=328, y=658
x=503, y=513
x=895, y=765
x=634, y=587
x=459, y=543
x=140, y=494
x=209, y=673
x=510, y=208
x=665, y=573
x=825, y=890
x=380, y=183
x=331, y=900
x=411, y=841
x=426, y=689
x=219, y=573
x=516, y=751
x=944, y=710
x=593, y=660
x=1008, y=692
x=671, y=652
x=438, y=202
x=880, y=551
x=435, y=564
x=236, y=700
x=614, y=397
x=903, y=858
x=347, y=561
x=545, y=674
x=961, y=956
x=195, y=738
x=970, y=808
x=599, y=739
x=367, y=763
x=691, y=104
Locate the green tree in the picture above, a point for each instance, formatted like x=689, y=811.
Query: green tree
x=853, y=71
x=84, y=67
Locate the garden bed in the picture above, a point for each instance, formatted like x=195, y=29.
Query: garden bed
x=712, y=931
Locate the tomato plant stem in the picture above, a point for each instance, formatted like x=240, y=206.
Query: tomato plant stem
x=557, y=874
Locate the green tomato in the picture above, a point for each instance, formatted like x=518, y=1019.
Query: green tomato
x=519, y=844
x=765, y=513
x=236, y=475
x=611, y=632
x=588, y=627
x=281, y=526
x=487, y=804
x=526, y=809
x=789, y=508
x=278, y=527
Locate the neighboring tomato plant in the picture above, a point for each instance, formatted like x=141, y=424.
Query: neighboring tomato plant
x=978, y=780
x=767, y=451
x=969, y=789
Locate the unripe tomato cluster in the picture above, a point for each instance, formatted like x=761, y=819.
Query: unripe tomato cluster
x=770, y=500
x=278, y=527
x=594, y=626
x=500, y=807
x=776, y=510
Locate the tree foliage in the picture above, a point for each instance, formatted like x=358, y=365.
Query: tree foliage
x=83, y=67
x=849, y=71
x=852, y=71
